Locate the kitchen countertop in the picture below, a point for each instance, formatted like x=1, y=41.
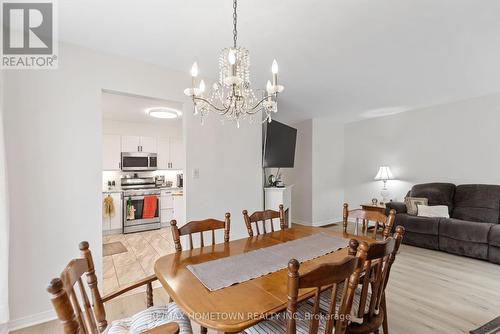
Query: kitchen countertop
x=119, y=190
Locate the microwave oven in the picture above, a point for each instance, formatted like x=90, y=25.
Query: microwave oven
x=139, y=161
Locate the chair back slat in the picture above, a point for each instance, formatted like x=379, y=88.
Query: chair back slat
x=89, y=314
x=78, y=311
x=199, y=227
x=377, y=266
x=68, y=307
x=367, y=216
x=262, y=217
x=346, y=271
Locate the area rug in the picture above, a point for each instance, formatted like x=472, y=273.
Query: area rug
x=492, y=327
x=113, y=248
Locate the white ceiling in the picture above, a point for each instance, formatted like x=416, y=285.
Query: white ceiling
x=132, y=108
x=348, y=58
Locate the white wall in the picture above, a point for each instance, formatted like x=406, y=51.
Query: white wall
x=53, y=126
x=317, y=196
x=301, y=175
x=327, y=171
x=457, y=143
x=229, y=161
x=160, y=129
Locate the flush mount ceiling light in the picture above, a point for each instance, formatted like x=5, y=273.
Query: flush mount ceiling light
x=163, y=112
x=232, y=96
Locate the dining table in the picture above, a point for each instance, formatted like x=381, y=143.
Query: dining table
x=237, y=307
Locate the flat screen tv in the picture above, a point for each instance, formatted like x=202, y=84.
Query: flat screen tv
x=279, y=145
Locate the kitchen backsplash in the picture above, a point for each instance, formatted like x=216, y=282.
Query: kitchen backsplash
x=170, y=175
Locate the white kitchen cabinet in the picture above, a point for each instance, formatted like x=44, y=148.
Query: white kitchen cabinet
x=111, y=152
x=148, y=144
x=139, y=144
x=163, y=153
x=113, y=224
x=179, y=209
x=131, y=143
x=176, y=153
x=170, y=153
x=166, y=216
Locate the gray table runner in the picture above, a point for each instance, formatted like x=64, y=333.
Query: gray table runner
x=221, y=273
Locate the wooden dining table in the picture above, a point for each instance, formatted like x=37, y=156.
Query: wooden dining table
x=237, y=307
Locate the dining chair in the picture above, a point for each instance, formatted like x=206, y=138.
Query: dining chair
x=369, y=310
x=78, y=314
x=200, y=226
x=366, y=216
x=262, y=217
x=342, y=276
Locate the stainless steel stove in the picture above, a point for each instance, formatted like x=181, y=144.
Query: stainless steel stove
x=134, y=191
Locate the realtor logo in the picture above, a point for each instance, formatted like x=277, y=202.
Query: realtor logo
x=28, y=35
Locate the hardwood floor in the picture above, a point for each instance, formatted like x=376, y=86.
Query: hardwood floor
x=428, y=292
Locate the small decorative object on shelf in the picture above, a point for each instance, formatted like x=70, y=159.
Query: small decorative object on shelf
x=374, y=201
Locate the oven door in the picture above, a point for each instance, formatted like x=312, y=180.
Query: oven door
x=138, y=223
x=137, y=161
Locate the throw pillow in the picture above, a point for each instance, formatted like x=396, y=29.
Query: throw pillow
x=438, y=211
x=412, y=202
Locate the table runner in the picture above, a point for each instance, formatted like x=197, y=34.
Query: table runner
x=221, y=273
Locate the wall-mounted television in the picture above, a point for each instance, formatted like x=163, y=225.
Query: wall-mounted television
x=279, y=145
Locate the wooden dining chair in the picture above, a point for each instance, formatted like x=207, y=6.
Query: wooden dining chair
x=263, y=216
x=342, y=276
x=79, y=314
x=200, y=226
x=369, y=305
x=367, y=216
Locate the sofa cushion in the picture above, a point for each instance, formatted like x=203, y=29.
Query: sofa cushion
x=494, y=254
x=477, y=202
x=467, y=248
x=437, y=193
x=421, y=240
x=417, y=224
x=494, y=238
x=464, y=230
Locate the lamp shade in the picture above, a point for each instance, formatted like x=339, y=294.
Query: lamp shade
x=384, y=173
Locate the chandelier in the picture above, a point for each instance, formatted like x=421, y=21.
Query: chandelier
x=232, y=96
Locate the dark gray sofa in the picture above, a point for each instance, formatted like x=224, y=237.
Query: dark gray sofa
x=473, y=228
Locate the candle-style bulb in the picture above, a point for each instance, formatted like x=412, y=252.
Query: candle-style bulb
x=202, y=86
x=274, y=67
x=231, y=57
x=194, y=70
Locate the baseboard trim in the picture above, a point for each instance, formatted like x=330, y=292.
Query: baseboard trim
x=327, y=222
x=319, y=223
x=31, y=320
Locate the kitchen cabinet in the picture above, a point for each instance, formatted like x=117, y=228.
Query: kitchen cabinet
x=176, y=153
x=179, y=209
x=166, y=207
x=170, y=153
x=163, y=153
x=139, y=144
x=113, y=224
x=111, y=152
x=148, y=144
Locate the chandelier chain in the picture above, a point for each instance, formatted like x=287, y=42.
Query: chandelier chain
x=235, y=21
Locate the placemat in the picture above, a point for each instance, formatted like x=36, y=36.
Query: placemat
x=221, y=273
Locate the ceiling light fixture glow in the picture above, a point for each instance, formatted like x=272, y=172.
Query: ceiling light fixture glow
x=163, y=112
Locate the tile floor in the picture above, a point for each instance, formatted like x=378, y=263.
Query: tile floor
x=143, y=249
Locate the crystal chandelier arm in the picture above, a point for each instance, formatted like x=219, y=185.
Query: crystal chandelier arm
x=222, y=111
x=254, y=109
